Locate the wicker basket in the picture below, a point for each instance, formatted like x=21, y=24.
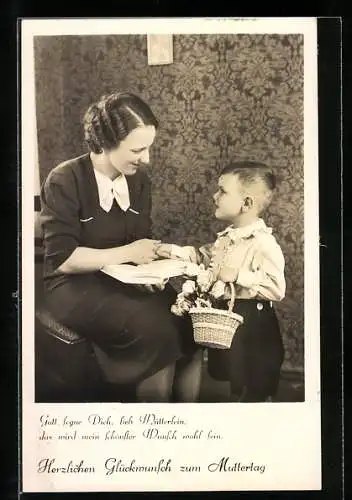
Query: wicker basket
x=215, y=327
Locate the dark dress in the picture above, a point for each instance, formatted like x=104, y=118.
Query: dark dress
x=135, y=331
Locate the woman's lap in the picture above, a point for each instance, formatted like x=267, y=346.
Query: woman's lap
x=135, y=328
x=76, y=301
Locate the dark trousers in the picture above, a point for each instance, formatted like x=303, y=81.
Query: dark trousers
x=253, y=362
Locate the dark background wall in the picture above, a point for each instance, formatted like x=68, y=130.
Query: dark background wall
x=224, y=98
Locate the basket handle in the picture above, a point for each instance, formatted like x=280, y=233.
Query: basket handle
x=232, y=300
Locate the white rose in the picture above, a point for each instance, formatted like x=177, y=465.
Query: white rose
x=191, y=269
x=205, y=279
x=175, y=309
x=218, y=289
x=189, y=287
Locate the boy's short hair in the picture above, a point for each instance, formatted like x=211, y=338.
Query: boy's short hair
x=250, y=172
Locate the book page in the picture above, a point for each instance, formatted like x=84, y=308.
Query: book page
x=152, y=273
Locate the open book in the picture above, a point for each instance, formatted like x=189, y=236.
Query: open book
x=150, y=274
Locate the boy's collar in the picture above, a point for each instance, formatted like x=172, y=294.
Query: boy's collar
x=236, y=233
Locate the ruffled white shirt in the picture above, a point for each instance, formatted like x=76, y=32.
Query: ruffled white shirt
x=112, y=189
x=254, y=251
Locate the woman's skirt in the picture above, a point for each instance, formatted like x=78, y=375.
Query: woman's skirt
x=134, y=331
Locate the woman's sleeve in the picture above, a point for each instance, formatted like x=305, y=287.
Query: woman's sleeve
x=59, y=218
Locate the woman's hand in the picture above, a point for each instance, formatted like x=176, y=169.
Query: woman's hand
x=143, y=251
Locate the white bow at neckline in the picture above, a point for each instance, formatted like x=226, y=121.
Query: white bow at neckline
x=112, y=189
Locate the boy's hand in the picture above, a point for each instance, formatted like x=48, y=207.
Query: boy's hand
x=163, y=250
x=169, y=251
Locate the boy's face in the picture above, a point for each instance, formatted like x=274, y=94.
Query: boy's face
x=229, y=198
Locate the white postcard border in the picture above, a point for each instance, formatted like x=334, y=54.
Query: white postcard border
x=286, y=436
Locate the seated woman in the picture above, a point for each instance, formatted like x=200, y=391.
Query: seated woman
x=96, y=211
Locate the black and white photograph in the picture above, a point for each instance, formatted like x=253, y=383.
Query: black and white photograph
x=172, y=250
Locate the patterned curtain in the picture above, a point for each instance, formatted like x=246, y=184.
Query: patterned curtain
x=224, y=98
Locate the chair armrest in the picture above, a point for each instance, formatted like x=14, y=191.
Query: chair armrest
x=56, y=329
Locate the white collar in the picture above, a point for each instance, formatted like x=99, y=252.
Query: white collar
x=236, y=233
x=109, y=190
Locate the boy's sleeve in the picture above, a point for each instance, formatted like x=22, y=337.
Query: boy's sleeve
x=266, y=279
x=198, y=256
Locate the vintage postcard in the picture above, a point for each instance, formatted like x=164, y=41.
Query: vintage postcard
x=193, y=140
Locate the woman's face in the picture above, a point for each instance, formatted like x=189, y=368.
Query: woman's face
x=133, y=151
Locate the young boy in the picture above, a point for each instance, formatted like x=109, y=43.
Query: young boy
x=246, y=254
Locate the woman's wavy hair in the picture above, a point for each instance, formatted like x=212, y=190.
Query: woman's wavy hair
x=108, y=121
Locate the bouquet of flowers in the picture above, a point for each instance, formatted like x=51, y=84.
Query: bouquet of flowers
x=202, y=291
x=200, y=297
